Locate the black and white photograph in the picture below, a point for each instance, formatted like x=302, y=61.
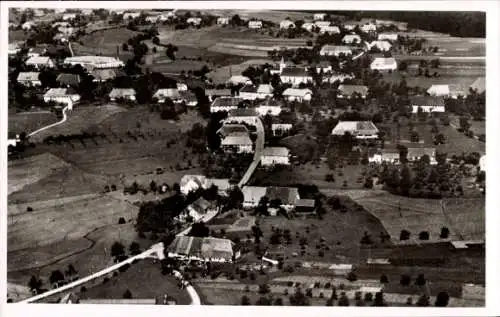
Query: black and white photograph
x=247, y=157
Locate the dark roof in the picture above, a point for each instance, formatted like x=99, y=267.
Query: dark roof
x=426, y=101
x=228, y=129
x=295, y=71
x=287, y=195
x=226, y=101
x=243, y=112
x=68, y=79
x=309, y=203
x=249, y=88
x=218, y=92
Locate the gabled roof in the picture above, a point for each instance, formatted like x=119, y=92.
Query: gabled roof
x=57, y=92
x=265, y=89
x=252, y=194
x=232, y=129
x=309, y=203
x=38, y=60
x=68, y=79
x=336, y=48
x=243, y=112
x=239, y=79
x=287, y=195
x=218, y=92
x=201, y=205
x=384, y=61
x=103, y=74
x=172, y=93
x=297, y=92
x=249, y=88
x=355, y=127
x=351, y=89
x=122, y=92
x=226, y=102
x=275, y=151
x=238, y=139
x=426, y=101
x=295, y=72
x=199, y=179
x=204, y=248
x=28, y=76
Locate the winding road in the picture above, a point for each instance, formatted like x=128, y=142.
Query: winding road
x=64, y=118
x=259, y=146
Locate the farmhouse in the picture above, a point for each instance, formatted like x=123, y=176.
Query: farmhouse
x=352, y=91
x=222, y=21
x=252, y=195
x=385, y=156
x=203, y=249
x=237, y=143
x=232, y=129
x=252, y=92
x=319, y=16
x=37, y=51
x=287, y=24
x=452, y=91
x=369, y=27
x=242, y=115
x=269, y=107
x=102, y=75
x=280, y=129
x=300, y=95
x=193, y=21
x=295, y=76
x=415, y=154
x=131, y=15
x=68, y=80
x=239, y=79
x=330, y=29
x=189, y=98
x=322, y=24
x=214, y=93
x=308, y=26
x=61, y=95
x=388, y=36
x=479, y=85
x=161, y=95
x=335, y=50
x=427, y=104
x=225, y=104
x=349, y=27
x=275, y=156
x=191, y=183
x=305, y=206
x=383, y=46
x=358, y=129
x=118, y=94
x=384, y=64
x=197, y=211
x=323, y=67
x=40, y=62
x=94, y=61
x=69, y=16
x=351, y=39
x=29, y=79
x=223, y=185
x=255, y=24
x=287, y=196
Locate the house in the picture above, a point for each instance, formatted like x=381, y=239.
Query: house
x=275, y=156
x=287, y=196
x=295, y=76
x=118, y=94
x=214, y=93
x=479, y=85
x=194, y=21
x=173, y=94
x=384, y=64
x=388, y=36
x=191, y=183
x=238, y=80
x=102, y=75
x=223, y=21
x=189, y=98
x=182, y=87
x=131, y=15
x=92, y=62
x=29, y=79
x=330, y=29
x=383, y=46
x=255, y=24
x=393, y=156
x=319, y=16
x=66, y=30
x=252, y=195
x=415, y=154
x=305, y=206
x=280, y=129
x=269, y=107
x=15, y=48
x=225, y=104
x=232, y=129
x=322, y=24
x=350, y=91
x=237, y=143
x=323, y=67
x=308, y=26
x=242, y=115
x=62, y=95
x=351, y=39
x=287, y=24
x=206, y=249
x=358, y=129
x=335, y=50
x=197, y=211
x=37, y=51
x=368, y=27
x=40, y=62
x=252, y=92
x=427, y=104
x=69, y=16
x=300, y=95
x=223, y=185
x=451, y=91
x=337, y=77
x=349, y=27
x=28, y=25
x=68, y=80
x=385, y=156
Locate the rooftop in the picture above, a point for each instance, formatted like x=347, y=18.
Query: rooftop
x=172, y=93
x=38, y=60
x=287, y=195
x=355, y=127
x=218, y=92
x=200, y=179
x=121, y=92
x=243, y=112
x=237, y=139
x=227, y=102
x=297, y=92
x=204, y=248
x=57, y=92
x=275, y=151
x=295, y=72
x=28, y=76
x=228, y=129
x=384, y=60
x=68, y=79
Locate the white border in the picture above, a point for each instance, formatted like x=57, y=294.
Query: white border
x=493, y=114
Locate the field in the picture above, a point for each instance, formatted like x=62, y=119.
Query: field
x=17, y=35
x=177, y=66
x=463, y=217
x=30, y=121
x=105, y=42
x=222, y=74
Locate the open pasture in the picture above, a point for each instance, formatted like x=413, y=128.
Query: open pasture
x=30, y=121
x=105, y=42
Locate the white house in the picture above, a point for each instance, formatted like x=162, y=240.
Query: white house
x=203, y=249
x=193, y=21
x=131, y=15
x=308, y=26
x=349, y=27
x=387, y=36
x=237, y=144
x=242, y=115
x=280, y=129
x=200, y=210
x=383, y=46
x=252, y=195
x=319, y=16
x=61, y=95
x=69, y=16
x=93, y=61
x=287, y=24
x=294, y=94
x=252, y=92
x=351, y=39
x=321, y=24
x=214, y=93
x=255, y=24
x=191, y=183
x=238, y=80
x=269, y=107
x=452, y=91
x=225, y=104
x=427, y=104
x=358, y=129
x=330, y=29
x=295, y=76
x=275, y=156
x=182, y=87
x=40, y=62
x=391, y=157
x=323, y=67
x=122, y=93
x=369, y=27
x=28, y=25
x=384, y=64
x=29, y=79
x=162, y=94
x=222, y=20
x=335, y=50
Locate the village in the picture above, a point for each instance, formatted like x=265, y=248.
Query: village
x=343, y=164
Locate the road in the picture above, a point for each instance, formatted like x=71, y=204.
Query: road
x=65, y=117
x=259, y=146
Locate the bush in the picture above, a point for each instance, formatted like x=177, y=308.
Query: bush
x=384, y=279
x=445, y=232
x=368, y=297
x=404, y=235
x=352, y=277
x=405, y=280
x=424, y=235
x=29, y=209
x=420, y=280
x=121, y=221
x=105, y=280
x=309, y=292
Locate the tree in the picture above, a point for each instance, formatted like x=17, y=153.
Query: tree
x=153, y=186
x=384, y=279
x=424, y=235
x=56, y=277
x=445, y=232
x=442, y=299
x=278, y=301
x=245, y=301
x=464, y=123
x=264, y=289
x=117, y=250
x=263, y=301
x=343, y=300
x=125, y=47
x=405, y=280
x=127, y=294
x=352, y=277
x=379, y=300
x=199, y=229
x=71, y=271
x=420, y=280
x=134, y=248
x=34, y=284
x=423, y=301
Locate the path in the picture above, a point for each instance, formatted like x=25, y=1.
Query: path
x=259, y=146
x=65, y=117
x=70, y=49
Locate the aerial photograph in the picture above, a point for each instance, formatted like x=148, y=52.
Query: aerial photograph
x=246, y=157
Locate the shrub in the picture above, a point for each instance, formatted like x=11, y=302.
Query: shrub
x=424, y=235
x=309, y=292
x=368, y=297
x=404, y=235
x=420, y=280
x=445, y=232
x=384, y=279
x=121, y=221
x=352, y=277
x=405, y=280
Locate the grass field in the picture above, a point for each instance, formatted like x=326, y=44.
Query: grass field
x=105, y=42
x=458, y=143
x=30, y=121
x=448, y=76
x=177, y=66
